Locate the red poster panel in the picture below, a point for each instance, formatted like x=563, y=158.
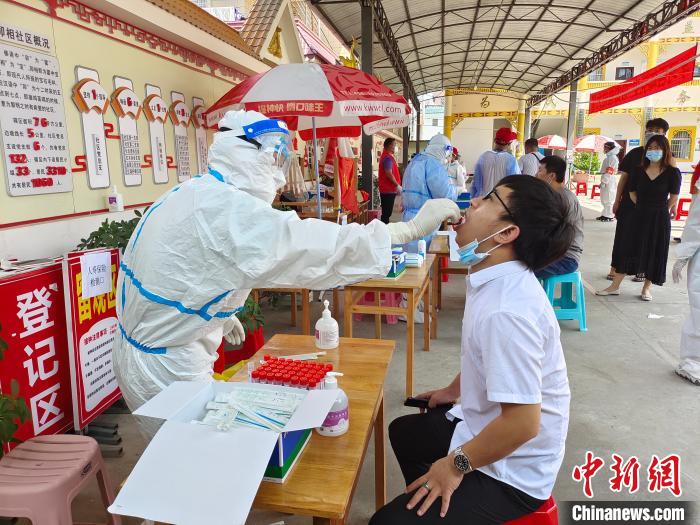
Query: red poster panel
x=33, y=323
x=673, y=72
x=92, y=325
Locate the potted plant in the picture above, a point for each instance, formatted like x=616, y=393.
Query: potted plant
x=111, y=234
x=13, y=409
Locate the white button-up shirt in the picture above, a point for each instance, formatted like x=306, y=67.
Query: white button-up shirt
x=511, y=353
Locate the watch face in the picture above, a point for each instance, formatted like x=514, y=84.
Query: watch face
x=462, y=463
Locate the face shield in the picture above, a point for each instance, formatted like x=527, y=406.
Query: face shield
x=271, y=137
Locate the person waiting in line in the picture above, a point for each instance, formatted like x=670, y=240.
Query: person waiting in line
x=495, y=455
x=653, y=187
x=688, y=253
x=552, y=170
x=426, y=178
x=623, y=205
x=495, y=164
x=389, y=179
x=529, y=163
x=608, y=182
x=457, y=173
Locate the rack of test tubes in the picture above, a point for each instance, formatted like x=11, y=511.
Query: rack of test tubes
x=290, y=372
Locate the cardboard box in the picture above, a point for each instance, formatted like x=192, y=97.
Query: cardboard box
x=188, y=470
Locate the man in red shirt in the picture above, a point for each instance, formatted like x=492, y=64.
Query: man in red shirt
x=389, y=179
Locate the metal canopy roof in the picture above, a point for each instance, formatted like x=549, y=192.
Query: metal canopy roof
x=517, y=45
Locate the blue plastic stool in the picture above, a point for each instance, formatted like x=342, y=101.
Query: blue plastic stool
x=565, y=307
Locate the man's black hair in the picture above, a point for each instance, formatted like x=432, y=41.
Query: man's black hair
x=532, y=143
x=542, y=214
x=388, y=142
x=657, y=123
x=556, y=165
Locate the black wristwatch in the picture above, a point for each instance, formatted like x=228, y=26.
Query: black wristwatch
x=462, y=462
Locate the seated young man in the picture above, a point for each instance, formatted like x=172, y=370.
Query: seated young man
x=494, y=456
x=553, y=172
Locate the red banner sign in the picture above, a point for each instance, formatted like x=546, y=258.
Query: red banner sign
x=675, y=71
x=33, y=320
x=92, y=325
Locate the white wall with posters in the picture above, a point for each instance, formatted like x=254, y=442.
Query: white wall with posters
x=38, y=221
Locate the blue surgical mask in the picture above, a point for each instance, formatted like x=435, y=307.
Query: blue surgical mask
x=468, y=254
x=654, y=155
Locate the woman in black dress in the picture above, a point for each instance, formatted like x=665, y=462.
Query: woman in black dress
x=654, y=187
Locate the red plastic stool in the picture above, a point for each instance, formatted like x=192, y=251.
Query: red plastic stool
x=681, y=210
x=595, y=191
x=444, y=263
x=40, y=478
x=547, y=514
x=581, y=188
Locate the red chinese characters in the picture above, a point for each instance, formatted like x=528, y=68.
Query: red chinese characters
x=665, y=474
x=587, y=471
x=33, y=324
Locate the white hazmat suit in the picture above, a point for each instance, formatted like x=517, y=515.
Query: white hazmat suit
x=688, y=252
x=608, y=182
x=201, y=247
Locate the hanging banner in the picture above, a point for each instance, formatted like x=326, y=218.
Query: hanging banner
x=180, y=116
x=92, y=325
x=35, y=364
x=92, y=101
x=200, y=134
x=156, y=111
x=33, y=123
x=675, y=71
x=348, y=184
x=127, y=106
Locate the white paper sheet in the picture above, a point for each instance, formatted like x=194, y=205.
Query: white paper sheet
x=170, y=401
x=452, y=239
x=96, y=269
x=192, y=475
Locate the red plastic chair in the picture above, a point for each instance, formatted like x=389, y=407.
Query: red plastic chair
x=40, y=478
x=595, y=191
x=581, y=188
x=547, y=514
x=681, y=210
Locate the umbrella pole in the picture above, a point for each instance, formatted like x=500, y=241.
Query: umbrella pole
x=318, y=178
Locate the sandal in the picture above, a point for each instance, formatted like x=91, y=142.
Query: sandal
x=639, y=278
x=646, y=296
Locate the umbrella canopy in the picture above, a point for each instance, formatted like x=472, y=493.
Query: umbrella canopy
x=551, y=142
x=313, y=90
x=337, y=126
x=591, y=143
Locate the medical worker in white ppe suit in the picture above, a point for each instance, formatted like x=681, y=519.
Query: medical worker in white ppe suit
x=201, y=247
x=688, y=252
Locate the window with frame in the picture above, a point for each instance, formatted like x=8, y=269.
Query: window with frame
x=623, y=73
x=596, y=75
x=682, y=143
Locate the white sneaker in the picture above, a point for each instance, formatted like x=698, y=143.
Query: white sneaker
x=687, y=375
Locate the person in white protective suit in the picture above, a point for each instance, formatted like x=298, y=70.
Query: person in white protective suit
x=201, y=247
x=608, y=180
x=688, y=253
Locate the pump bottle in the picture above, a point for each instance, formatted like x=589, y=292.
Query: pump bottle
x=326, y=330
x=337, y=421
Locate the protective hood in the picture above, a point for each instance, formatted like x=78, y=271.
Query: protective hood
x=439, y=147
x=242, y=165
x=614, y=151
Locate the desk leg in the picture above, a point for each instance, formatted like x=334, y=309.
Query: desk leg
x=379, y=458
x=336, y=303
x=347, y=311
x=439, y=286
x=427, y=319
x=294, y=308
x=410, y=329
x=435, y=300
x=306, y=325
x=378, y=317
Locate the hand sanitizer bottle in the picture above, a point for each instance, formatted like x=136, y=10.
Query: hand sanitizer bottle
x=337, y=421
x=326, y=330
x=115, y=201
